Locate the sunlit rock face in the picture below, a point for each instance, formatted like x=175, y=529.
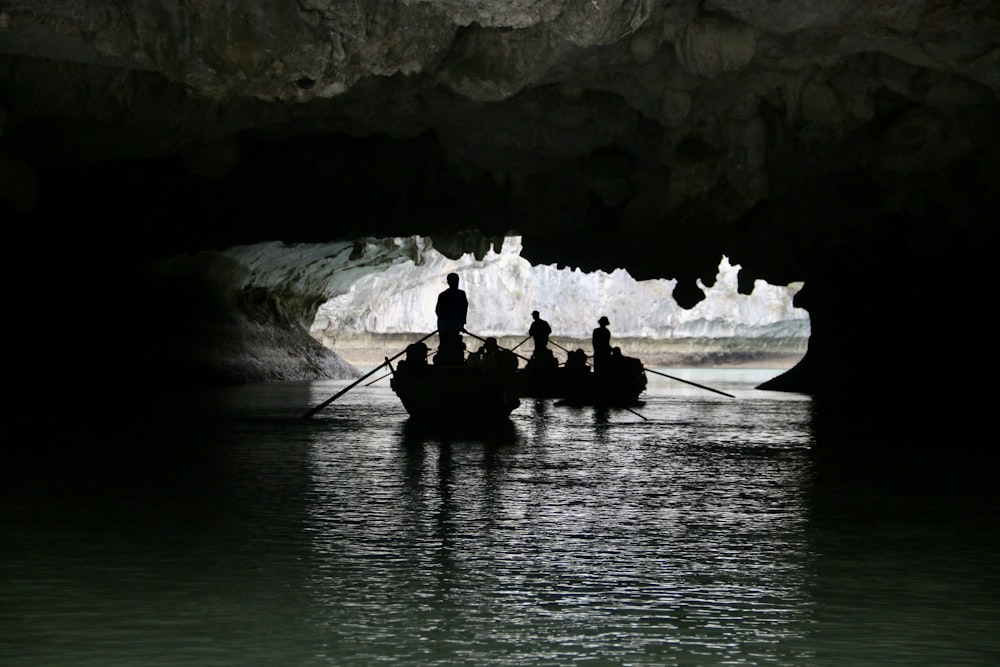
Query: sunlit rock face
x=503, y=289
x=852, y=146
x=259, y=312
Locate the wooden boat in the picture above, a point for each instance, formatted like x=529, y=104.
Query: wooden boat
x=472, y=391
x=618, y=385
x=480, y=390
x=457, y=392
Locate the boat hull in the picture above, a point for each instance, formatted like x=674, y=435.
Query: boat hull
x=610, y=389
x=456, y=394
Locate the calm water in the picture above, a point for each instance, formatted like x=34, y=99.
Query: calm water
x=695, y=530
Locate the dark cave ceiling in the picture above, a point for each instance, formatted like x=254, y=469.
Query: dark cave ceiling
x=844, y=143
x=598, y=130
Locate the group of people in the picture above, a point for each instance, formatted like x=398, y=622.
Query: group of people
x=452, y=310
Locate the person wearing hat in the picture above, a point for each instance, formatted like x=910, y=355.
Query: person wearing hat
x=601, y=340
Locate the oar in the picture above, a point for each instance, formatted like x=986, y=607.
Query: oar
x=634, y=412
x=559, y=346
x=484, y=340
x=650, y=370
x=359, y=380
x=380, y=377
x=518, y=345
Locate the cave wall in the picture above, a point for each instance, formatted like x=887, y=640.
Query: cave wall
x=850, y=145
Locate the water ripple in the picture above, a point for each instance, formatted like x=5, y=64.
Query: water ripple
x=691, y=531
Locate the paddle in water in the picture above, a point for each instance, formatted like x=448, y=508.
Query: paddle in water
x=650, y=370
x=360, y=380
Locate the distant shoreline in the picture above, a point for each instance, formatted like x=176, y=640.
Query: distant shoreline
x=780, y=353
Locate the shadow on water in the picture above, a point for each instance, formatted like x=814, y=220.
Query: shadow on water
x=924, y=454
x=496, y=433
x=905, y=435
x=778, y=528
x=173, y=447
x=903, y=515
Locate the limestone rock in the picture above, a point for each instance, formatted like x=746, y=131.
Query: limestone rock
x=849, y=145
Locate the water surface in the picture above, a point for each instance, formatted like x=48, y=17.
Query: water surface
x=695, y=529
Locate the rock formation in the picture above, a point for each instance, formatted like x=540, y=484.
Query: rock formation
x=850, y=145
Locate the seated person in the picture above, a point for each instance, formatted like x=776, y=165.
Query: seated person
x=491, y=358
x=451, y=353
x=486, y=357
x=416, y=358
x=542, y=360
x=576, y=362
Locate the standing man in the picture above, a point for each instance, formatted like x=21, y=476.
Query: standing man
x=601, y=340
x=451, y=310
x=539, y=331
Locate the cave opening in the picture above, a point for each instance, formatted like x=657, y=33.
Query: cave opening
x=378, y=313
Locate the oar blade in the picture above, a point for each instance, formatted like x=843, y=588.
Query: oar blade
x=694, y=384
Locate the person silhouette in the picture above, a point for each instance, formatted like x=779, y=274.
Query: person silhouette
x=486, y=357
x=601, y=340
x=452, y=309
x=542, y=360
x=416, y=358
x=539, y=331
x=576, y=363
x=491, y=357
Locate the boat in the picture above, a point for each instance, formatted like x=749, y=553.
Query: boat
x=484, y=389
x=488, y=386
x=457, y=391
x=619, y=384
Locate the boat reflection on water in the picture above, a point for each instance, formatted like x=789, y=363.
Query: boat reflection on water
x=496, y=432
